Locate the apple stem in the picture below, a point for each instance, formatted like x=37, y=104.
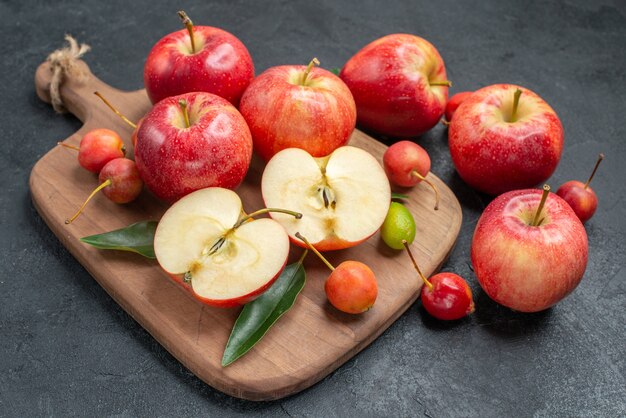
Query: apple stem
x=296, y=215
x=63, y=144
x=117, y=112
x=544, y=196
x=593, y=173
x=309, y=67
x=96, y=190
x=424, y=179
x=183, y=105
x=306, y=241
x=426, y=281
x=516, y=97
x=446, y=83
x=189, y=25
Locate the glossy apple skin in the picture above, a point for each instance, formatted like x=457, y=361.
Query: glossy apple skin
x=450, y=297
x=389, y=79
x=226, y=303
x=401, y=158
x=582, y=201
x=317, y=117
x=215, y=150
x=98, y=147
x=352, y=287
x=528, y=268
x=454, y=103
x=126, y=184
x=221, y=65
x=495, y=156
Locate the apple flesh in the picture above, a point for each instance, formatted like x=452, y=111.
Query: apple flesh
x=199, y=245
x=344, y=197
x=524, y=261
x=295, y=106
x=219, y=64
x=496, y=149
x=399, y=85
x=178, y=154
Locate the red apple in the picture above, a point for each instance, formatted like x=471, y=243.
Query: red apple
x=501, y=140
x=295, y=106
x=190, y=142
x=214, y=62
x=399, y=85
x=528, y=255
x=454, y=103
x=580, y=196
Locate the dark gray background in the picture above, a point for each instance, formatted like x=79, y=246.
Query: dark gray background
x=67, y=349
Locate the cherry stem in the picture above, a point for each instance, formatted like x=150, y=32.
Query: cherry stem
x=296, y=215
x=183, y=105
x=516, y=97
x=446, y=83
x=426, y=282
x=593, y=173
x=63, y=144
x=117, y=112
x=302, y=257
x=306, y=241
x=189, y=25
x=104, y=184
x=424, y=179
x=544, y=196
x=309, y=67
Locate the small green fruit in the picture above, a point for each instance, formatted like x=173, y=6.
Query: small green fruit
x=399, y=225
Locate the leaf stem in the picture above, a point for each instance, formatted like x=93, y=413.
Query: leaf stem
x=593, y=173
x=306, y=241
x=426, y=281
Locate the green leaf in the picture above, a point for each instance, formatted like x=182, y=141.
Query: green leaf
x=138, y=238
x=399, y=196
x=335, y=71
x=258, y=316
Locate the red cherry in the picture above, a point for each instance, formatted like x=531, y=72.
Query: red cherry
x=98, y=147
x=454, y=102
x=119, y=181
x=445, y=296
x=580, y=196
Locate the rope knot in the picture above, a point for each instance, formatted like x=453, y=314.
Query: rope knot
x=62, y=63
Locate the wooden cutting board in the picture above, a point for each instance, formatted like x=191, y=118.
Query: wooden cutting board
x=308, y=342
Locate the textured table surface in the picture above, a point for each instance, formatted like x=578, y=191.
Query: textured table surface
x=66, y=349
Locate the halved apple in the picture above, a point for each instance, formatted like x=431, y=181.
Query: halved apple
x=207, y=243
x=343, y=197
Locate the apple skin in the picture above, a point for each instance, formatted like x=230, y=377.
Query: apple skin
x=454, y=103
x=389, y=79
x=583, y=201
x=401, y=158
x=528, y=268
x=281, y=112
x=493, y=155
x=221, y=65
x=215, y=150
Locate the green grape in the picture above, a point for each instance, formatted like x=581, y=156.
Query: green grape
x=399, y=225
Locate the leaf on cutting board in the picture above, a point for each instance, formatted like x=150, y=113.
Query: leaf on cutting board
x=257, y=317
x=399, y=196
x=336, y=71
x=137, y=238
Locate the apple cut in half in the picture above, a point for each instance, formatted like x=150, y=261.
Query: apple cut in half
x=343, y=197
x=205, y=242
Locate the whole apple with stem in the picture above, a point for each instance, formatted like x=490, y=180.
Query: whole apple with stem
x=344, y=196
x=119, y=181
x=408, y=164
x=297, y=106
x=399, y=85
x=581, y=197
x=198, y=58
x=351, y=286
x=190, y=142
x=505, y=137
x=454, y=103
x=529, y=249
x=445, y=296
x=97, y=147
x=224, y=257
